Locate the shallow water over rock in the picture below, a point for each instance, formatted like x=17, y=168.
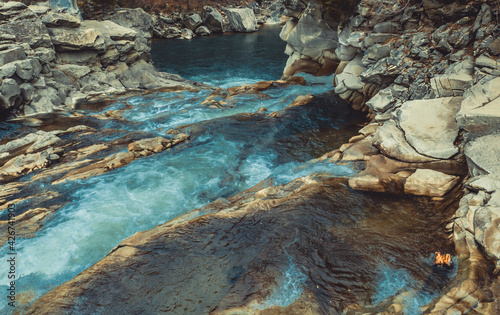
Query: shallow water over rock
x=312, y=239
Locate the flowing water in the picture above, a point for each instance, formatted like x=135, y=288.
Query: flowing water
x=230, y=150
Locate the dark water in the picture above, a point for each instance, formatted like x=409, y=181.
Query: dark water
x=224, y=60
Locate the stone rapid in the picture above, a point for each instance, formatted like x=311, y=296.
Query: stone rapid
x=272, y=228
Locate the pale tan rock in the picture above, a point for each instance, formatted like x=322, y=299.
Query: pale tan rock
x=111, y=162
x=28, y=223
x=369, y=129
x=148, y=146
x=302, y=100
x=390, y=140
x=426, y=182
x=360, y=150
x=487, y=231
x=26, y=163
x=38, y=140
x=430, y=126
x=249, y=88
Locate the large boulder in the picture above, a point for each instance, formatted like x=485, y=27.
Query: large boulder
x=483, y=154
x=391, y=141
x=430, y=126
x=349, y=78
x=136, y=19
x=11, y=53
x=242, y=20
x=77, y=38
x=10, y=94
x=192, y=21
x=74, y=71
x=486, y=231
x=309, y=36
x=480, y=108
x=213, y=19
x=27, y=69
x=111, y=30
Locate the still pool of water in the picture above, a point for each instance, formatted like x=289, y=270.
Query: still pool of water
x=231, y=149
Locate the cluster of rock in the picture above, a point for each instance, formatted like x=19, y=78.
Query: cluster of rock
x=428, y=76
x=52, y=61
x=212, y=20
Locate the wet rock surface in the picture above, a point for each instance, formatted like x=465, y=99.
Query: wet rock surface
x=425, y=74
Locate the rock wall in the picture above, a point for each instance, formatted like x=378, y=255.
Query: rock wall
x=53, y=61
x=427, y=75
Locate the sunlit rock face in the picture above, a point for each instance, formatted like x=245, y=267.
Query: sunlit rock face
x=432, y=98
x=311, y=41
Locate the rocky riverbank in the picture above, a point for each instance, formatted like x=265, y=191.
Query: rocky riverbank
x=54, y=61
x=427, y=75
x=213, y=20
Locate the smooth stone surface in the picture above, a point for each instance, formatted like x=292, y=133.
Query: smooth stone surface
x=390, y=140
x=242, y=20
x=425, y=182
x=52, y=19
x=430, y=126
x=480, y=108
x=483, y=154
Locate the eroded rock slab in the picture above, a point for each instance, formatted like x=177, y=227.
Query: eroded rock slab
x=426, y=182
x=430, y=126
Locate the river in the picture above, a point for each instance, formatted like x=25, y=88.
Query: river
x=232, y=149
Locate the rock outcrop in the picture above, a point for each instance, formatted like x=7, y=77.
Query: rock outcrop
x=311, y=41
x=238, y=249
x=54, y=61
x=234, y=18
